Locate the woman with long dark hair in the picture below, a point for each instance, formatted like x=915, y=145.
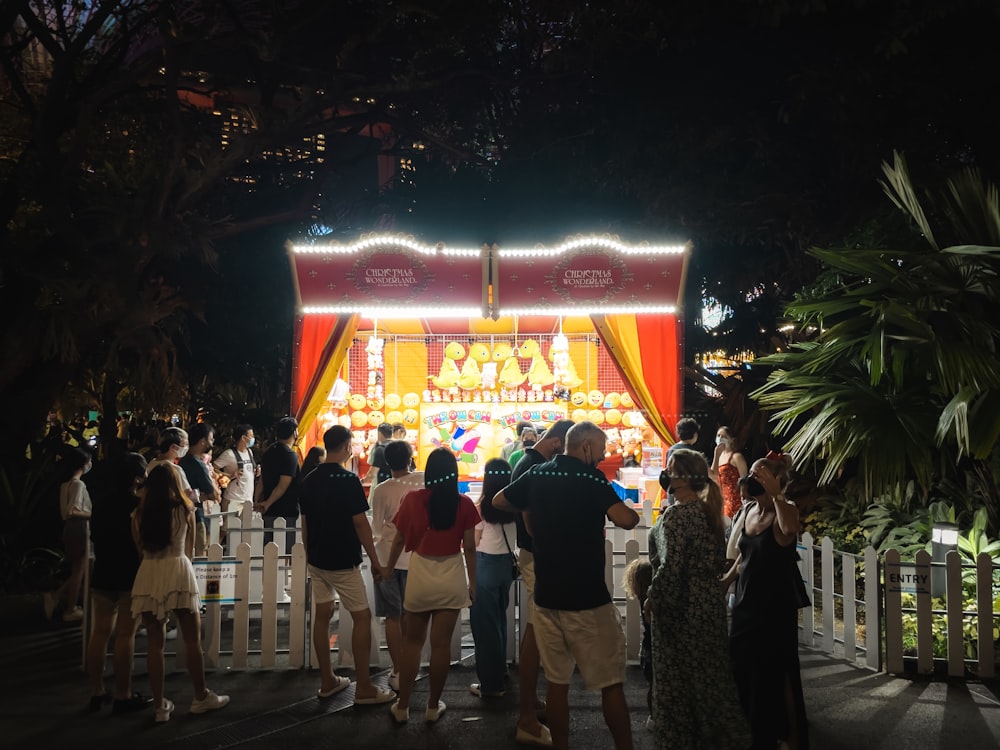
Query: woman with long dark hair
x=437, y=524
x=693, y=683
x=163, y=529
x=496, y=536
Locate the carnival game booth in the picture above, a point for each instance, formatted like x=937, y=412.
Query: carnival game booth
x=459, y=344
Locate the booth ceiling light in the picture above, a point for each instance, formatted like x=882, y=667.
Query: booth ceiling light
x=387, y=241
x=619, y=310
x=600, y=242
x=395, y=312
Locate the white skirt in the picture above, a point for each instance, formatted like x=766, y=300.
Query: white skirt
x=163, y=584
x=436, y=583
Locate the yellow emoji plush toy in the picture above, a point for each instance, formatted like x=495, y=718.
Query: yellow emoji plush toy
x=449, y=373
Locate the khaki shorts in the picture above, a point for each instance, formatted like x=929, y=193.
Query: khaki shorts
x=591, y=639
x=526, y=564
x=348, y=584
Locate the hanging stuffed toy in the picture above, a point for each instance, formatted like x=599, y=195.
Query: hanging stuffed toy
x=449, y=374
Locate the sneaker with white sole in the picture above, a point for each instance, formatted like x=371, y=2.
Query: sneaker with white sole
x=211, y=702
x=164, y=710
x=394, y=681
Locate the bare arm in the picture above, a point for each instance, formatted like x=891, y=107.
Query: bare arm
x=733, y=573
x=469, y=548
x=740, y=463
x=364, y=531
x=284, y=482
x=479, y=535
x=395, y=551
x=786, y=523
x=189, y=537
x=623, y=516
x=501, y=503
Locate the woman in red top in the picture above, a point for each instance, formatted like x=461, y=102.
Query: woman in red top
x=438, y=525
x=728, y=466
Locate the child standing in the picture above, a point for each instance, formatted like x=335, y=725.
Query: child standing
x=636, y=580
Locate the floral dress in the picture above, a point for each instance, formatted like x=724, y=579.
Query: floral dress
x=695, y=704
x=729, y=483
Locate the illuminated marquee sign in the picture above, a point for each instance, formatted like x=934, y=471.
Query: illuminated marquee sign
x=585, y=275
x=386, y=275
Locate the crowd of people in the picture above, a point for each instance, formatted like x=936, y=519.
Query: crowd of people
x=719, y=676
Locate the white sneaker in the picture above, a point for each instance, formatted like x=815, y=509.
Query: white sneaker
x=650, y=725
x=171, y=634
x=163, y=712
x=394, y=681
x=73, y=615
x=211, y=702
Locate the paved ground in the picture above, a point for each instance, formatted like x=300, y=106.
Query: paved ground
x=44, y=692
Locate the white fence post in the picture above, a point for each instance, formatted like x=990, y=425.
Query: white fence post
x=955, y=603
x=873, y=619
x=925, y=625
x=984, y=606
x=212, y=622
x=893, y=617
x=805, y=549
x=297, y=637
x=827, y=571
x=269, y=606
x=850, y=610
x=241, y=609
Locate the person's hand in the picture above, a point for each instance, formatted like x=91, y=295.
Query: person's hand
x=719, y=450
x=378, y=572
x=767, y=480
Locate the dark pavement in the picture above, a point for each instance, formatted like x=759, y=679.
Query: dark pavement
x=44, y=693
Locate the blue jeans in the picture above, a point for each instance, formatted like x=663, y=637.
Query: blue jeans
x=488, y=618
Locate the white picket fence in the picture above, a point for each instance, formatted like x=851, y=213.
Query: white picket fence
x=267, y=626
x=882, y=643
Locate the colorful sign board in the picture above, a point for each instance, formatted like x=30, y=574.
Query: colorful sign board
x=216, y=580
x=476, y=432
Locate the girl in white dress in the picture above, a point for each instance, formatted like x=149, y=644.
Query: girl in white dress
x=163, y=528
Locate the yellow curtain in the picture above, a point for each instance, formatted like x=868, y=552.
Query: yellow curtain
x=334, y=354
x=620, y=334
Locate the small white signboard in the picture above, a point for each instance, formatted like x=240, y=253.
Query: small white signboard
x=216, y=580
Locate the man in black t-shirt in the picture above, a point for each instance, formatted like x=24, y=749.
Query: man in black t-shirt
x=279, y=476
x=335, y=527
x=566, y=502
x=379, y=470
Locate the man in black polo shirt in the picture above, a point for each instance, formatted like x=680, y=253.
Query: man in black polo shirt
x=565, y=502
x=334, y=529
x=549, y=445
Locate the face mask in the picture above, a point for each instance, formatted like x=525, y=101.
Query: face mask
x=755, y=488
x=87, y=468
x=250, y=442
x=722, y=441
x=182, y=451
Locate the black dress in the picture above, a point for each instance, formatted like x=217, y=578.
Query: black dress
x=764, y=640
